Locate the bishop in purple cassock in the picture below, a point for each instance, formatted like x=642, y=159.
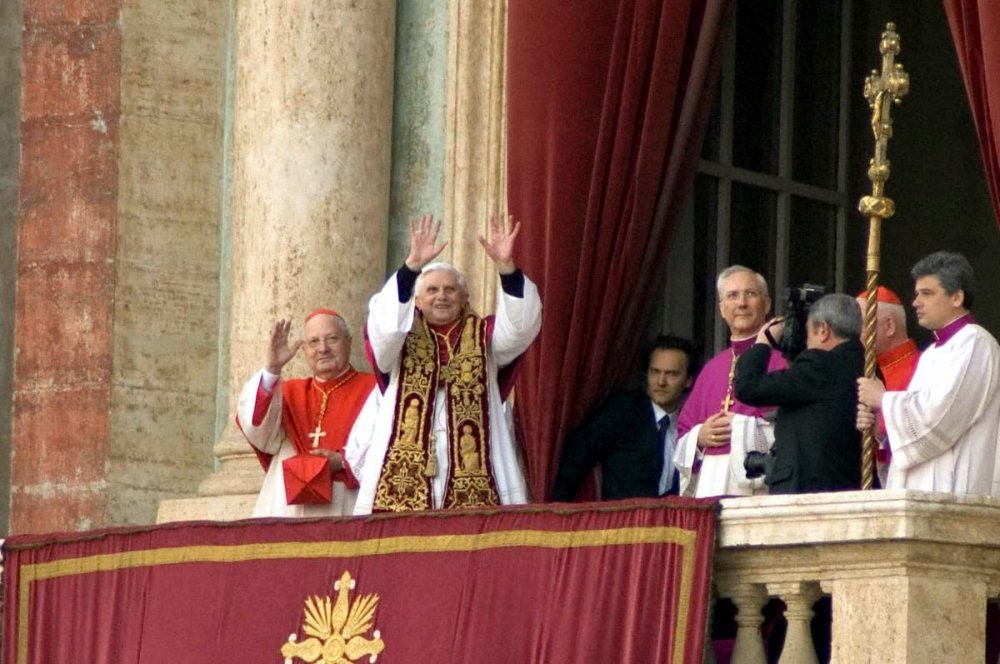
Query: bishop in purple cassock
x=715, y=430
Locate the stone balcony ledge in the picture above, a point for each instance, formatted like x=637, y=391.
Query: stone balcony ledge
x=909, y=572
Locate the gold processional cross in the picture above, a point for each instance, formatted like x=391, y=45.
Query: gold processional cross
x=882, y=90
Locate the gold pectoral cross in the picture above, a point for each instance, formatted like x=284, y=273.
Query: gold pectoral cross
x=728, y=401
x=316, y=435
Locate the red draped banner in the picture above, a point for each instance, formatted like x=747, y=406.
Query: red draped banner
x=600, y=582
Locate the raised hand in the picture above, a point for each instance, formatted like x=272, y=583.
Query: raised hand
x=280, y=351
x=423, y=238
x=500, y=245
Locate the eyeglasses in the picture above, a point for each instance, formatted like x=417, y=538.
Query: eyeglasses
x=734, y=295
x=319, y=342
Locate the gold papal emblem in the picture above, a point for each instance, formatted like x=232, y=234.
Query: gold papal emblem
x=336, y=629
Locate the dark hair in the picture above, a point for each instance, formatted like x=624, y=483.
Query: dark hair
x=952, y=270
x=673, y=342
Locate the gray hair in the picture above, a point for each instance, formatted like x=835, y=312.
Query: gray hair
x=463, y=285
x=884, y=310
x=952, y=270
x=840, y=312
x=733, y=269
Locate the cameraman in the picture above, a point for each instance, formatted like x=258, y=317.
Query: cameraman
x=816, y=446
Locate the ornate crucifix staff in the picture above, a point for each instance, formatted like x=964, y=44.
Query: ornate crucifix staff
x=882, y=89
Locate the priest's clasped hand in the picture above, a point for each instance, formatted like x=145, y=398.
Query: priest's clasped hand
x=870, y=391
x=865, y=419
x=716, y=431
x=336, y=459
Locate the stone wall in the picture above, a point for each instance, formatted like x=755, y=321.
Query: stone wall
x=10, y=143
x=121, y=190
x=170, y=206
x=418, y=119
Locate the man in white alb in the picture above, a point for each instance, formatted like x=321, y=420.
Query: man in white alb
x=943, y=429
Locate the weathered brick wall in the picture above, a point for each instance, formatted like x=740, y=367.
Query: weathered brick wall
x=68, y=208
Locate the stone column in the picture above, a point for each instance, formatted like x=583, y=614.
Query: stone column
x=799, y=598
x=476, y=127
x=311, y=160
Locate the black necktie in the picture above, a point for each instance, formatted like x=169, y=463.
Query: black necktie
x=662, y=427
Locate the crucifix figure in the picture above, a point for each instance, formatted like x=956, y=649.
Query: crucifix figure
x=316, y=435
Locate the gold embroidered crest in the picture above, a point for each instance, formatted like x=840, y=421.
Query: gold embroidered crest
x=336, y=629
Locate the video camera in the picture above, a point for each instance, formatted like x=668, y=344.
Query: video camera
x=798, y=301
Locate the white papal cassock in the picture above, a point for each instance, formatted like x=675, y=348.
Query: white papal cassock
x=517, y=322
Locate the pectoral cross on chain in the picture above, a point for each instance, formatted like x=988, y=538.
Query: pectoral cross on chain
x=316, y=435
x=728, y=401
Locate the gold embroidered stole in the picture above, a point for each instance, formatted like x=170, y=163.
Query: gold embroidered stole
x=410, y=462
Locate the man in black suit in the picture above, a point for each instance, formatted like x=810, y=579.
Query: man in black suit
x=816, y=447
x=630, y=435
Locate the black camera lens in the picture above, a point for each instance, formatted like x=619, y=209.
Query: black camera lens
x=755, y=464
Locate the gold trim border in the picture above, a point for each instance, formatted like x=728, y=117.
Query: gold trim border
x=402, y=544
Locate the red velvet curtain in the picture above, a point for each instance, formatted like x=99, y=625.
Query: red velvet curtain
x=607, y=104
x=975, y=27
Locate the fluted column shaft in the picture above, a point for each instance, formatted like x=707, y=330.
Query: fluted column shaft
x=310, y=190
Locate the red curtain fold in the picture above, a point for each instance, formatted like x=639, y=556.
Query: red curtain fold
x=975, y=27
x=623, y=582
x=607, y=105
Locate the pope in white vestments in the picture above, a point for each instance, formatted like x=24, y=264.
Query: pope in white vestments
x=944, y=429
x=443, y=437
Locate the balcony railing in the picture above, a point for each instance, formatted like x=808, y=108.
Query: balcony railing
x=909, y=573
